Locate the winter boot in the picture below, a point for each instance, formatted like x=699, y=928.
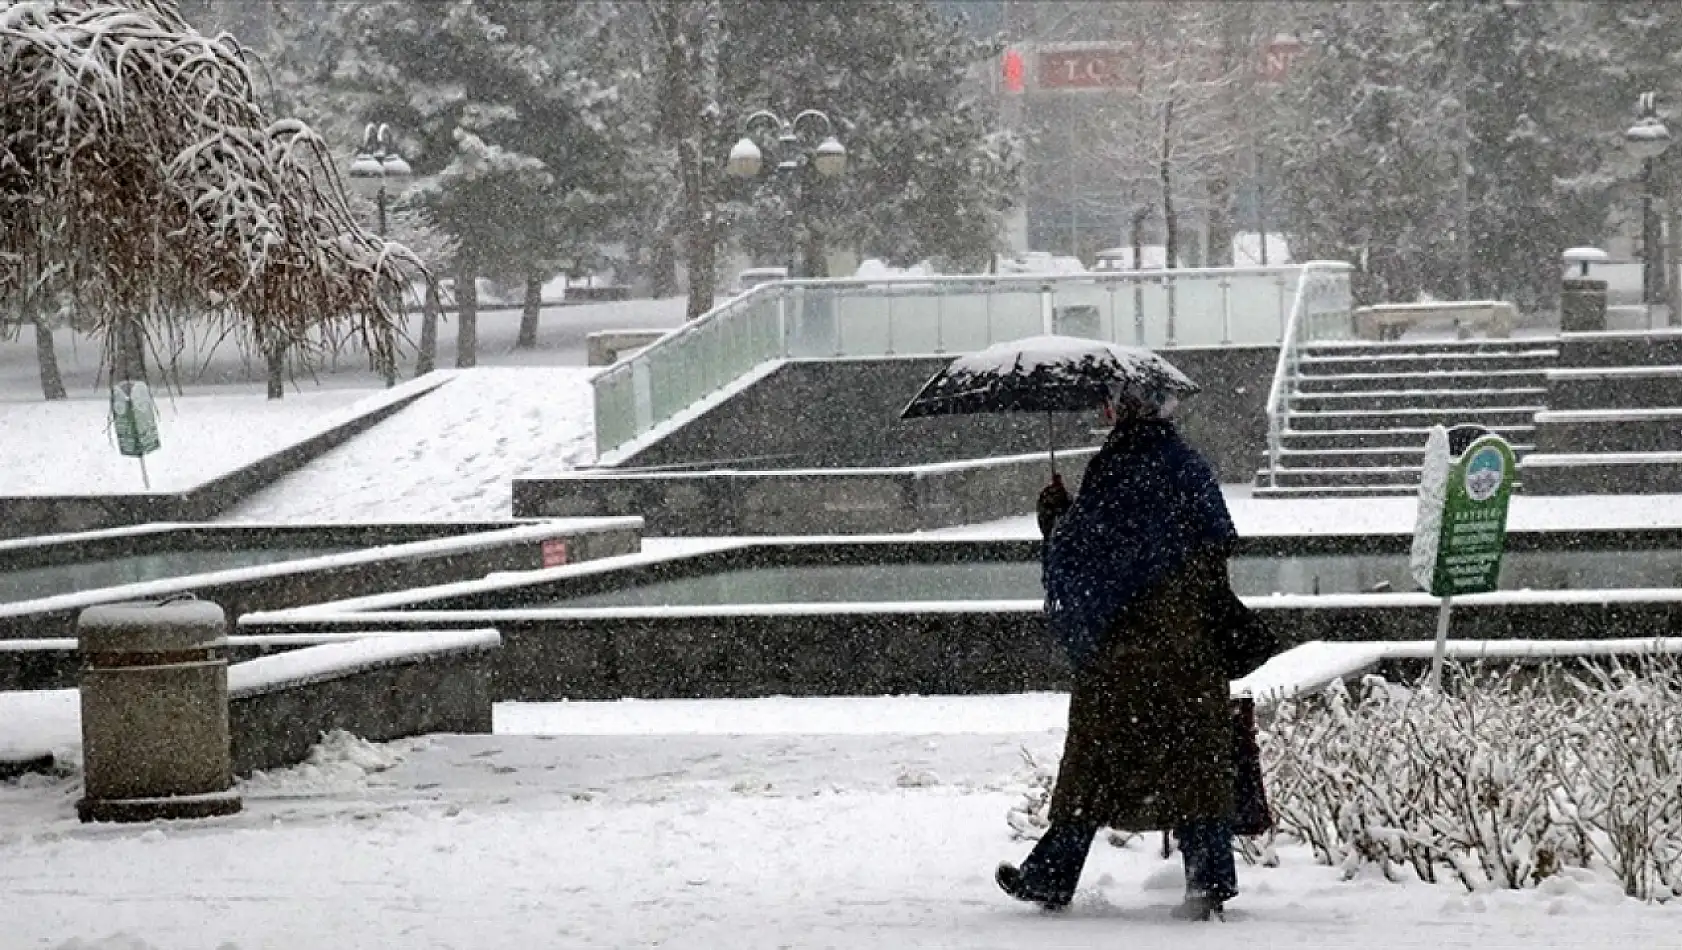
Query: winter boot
x=1200, y=907
x=1011, y=880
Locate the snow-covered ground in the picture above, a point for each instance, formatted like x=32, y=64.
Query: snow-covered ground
x=208, y=361
x=453, y=455
x=774, y=823
x=68, y=447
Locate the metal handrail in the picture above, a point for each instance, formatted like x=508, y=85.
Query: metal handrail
x=780, y=293
x=1285, y=366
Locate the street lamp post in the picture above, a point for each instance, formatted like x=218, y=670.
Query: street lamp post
x=376, y=162
x=1648, y=139
x=793, y=154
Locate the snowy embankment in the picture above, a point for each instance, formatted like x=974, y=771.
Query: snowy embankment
x=771, y=823
x=453, y=455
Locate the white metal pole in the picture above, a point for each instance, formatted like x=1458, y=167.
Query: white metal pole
x=1444, y=609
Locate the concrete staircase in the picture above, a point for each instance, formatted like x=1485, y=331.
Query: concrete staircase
x=1614, y=419
x=1358, y=413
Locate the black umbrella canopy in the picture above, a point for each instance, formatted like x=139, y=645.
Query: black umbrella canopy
x=1048, y=374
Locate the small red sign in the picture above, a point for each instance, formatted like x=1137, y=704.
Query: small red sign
x=1013, y=71
x=554, y=552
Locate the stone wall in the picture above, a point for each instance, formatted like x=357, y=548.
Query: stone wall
x=845, y=413
x=280, y=707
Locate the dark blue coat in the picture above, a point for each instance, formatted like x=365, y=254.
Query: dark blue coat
x=1147, y=504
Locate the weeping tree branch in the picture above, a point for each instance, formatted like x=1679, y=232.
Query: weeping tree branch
x=135, y=148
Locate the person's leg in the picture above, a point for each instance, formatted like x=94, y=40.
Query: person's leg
x=1211, y=871
x=1052, y=869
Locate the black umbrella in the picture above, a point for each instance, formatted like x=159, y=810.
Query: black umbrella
x=1049, y=374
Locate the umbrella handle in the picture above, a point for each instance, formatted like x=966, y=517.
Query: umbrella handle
x=1051, y=438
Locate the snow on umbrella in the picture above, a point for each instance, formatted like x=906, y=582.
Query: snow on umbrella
x=1050, y=374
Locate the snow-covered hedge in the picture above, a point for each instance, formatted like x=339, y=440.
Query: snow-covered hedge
x=1501, y=780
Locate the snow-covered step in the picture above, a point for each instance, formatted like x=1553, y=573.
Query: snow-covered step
x=1609, y=430
x=1472, y=358
x=1477, y=398
x=1623, y=386
x=1355, y=475
x=1263, y=490
x=1434, y=380
x=1490, y=417
x=1430, y=348
x=1382, y=438
x=1603, y=473
x=1344, y=459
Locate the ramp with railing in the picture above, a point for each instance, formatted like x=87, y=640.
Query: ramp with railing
x=640, y=398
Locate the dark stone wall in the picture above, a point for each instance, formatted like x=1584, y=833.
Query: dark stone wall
x=437, y=692
x=866, y=653
x=840, y=501
x=845, y=413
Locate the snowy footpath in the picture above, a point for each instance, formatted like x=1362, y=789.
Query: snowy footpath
x=452, y=455
x=870, y=823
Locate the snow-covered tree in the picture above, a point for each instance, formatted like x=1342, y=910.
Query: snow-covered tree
x=140, y=174
x=930, y=171
x=498, y=107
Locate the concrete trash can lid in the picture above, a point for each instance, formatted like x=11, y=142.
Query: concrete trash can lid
x=151, y=627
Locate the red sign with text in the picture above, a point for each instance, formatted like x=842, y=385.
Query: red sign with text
x=554, y=552
x=1121, y=65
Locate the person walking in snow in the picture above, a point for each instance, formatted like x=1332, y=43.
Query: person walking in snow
x=1138, y=596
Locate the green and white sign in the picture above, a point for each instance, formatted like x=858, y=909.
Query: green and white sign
x=1461, y=532
x=135, y=417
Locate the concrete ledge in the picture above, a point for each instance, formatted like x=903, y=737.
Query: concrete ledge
x=28, y=515
x=312, y=580
x=378, y=688
x=813, y=501
x=1625, y=387
x=1619, y=348
x=1602, y=473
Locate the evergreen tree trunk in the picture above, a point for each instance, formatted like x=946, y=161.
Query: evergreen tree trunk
x=427, y=359
x=467, y=312
x=275, y=355
x=46, y=355
x=530, y=312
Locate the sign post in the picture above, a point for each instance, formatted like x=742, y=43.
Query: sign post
x=1461, y=530
x=135, y=417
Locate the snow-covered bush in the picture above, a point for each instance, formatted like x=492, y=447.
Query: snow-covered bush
x=1499, y=780
x=1502, y=779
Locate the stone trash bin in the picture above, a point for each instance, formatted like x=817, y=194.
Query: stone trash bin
x=154, y=688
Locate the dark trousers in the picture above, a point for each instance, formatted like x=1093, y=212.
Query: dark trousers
x=1055, y=864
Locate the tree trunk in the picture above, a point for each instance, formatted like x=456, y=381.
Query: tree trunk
x=275, y=355
x=46, y=356
x=427, y=359
x=530, y=313
x=1219, y=253
x=129, y=360
x=467, y=313
x=1170, y=224
x=689, y=32
x=662, y=268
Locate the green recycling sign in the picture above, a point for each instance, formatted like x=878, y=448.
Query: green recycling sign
x=1461, y=532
